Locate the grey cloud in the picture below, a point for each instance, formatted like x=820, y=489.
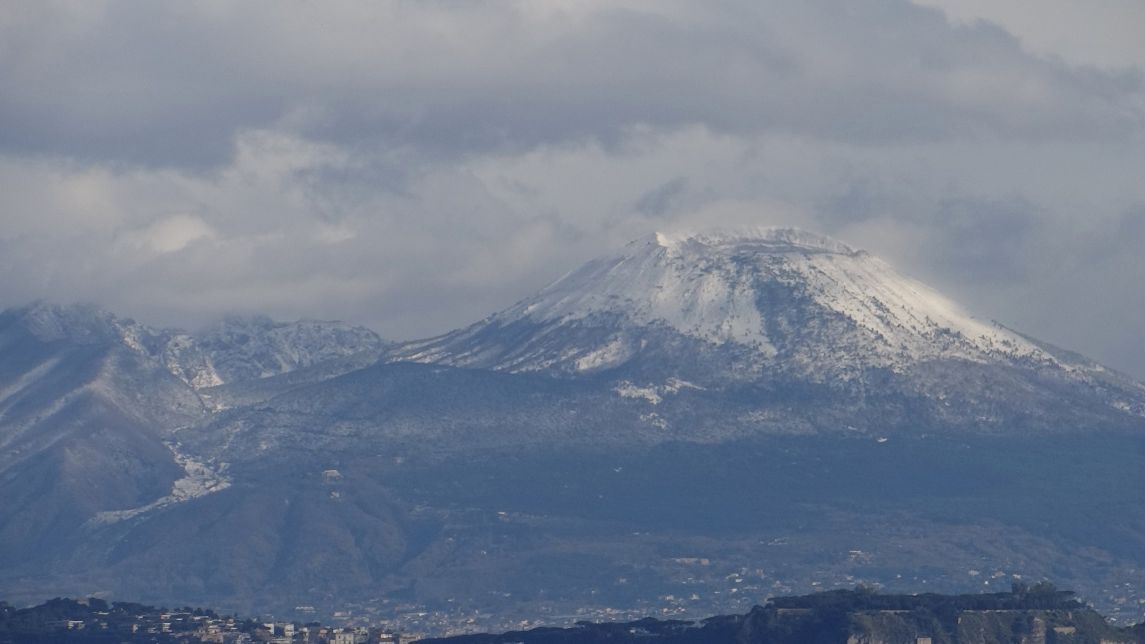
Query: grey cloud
x=858, y=199
x=1087, y=295
x=656, y=202
x=415, y=166
x=1121, y=236
x=272, y=233
x=983, y=238
x=173, y=84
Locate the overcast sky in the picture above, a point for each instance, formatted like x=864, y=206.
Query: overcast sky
x=415, y=166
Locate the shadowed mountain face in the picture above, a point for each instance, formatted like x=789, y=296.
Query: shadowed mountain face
x=785, y=408
x=84, y=414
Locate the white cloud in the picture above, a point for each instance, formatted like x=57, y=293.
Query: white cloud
x=169, y=234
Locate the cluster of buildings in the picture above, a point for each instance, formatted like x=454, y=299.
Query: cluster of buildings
x=190, y=627
x=290, y=633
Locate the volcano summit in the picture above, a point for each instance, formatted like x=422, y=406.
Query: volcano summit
x=781, y=307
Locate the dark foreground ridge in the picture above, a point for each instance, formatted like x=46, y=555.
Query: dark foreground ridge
x=1026, y=615
x=1040, y=614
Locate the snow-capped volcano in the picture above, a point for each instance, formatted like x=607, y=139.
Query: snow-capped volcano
x=697, y=387
x=779, y=297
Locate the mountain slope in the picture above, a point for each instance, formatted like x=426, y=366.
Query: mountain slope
x=85, y=411
x=243, y=349
x=90, y=404
x=780, y=309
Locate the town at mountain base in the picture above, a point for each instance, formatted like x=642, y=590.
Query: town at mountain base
x=1038, y=614
x=1041, y=615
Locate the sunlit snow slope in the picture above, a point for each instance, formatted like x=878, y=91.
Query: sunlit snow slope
x=792, y=298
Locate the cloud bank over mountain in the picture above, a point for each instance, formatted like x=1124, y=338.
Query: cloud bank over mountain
x=414, y=166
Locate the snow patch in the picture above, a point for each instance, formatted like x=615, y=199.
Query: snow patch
x=655, y=420
x=674, y=385
x=184, y=359
x=653, y=393
x=613, y=353
x=628, y=390
x=1129, y=408
x=200, y=479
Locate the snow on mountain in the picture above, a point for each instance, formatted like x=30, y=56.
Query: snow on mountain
x=768, y=382
x=84, y=324
x=90, y=406
x=236, y=349
x=60, y=358
x=790, y=297
x=257, y=347
x=199, y=479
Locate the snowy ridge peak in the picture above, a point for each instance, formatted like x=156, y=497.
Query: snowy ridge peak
x=258, y=347
x=758, y=238
x=238, y=348
x=86, y=324
x=80, y=323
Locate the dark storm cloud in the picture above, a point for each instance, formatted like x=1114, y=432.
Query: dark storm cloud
x=173, y=83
